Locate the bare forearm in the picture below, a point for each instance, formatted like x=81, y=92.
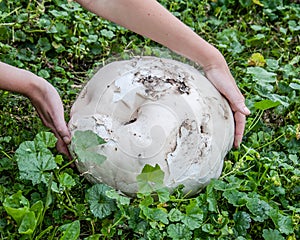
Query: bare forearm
x=150, y=19
x=18, y=80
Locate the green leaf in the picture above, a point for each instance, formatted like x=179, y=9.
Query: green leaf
x=59, y=159
x=235, y=197
x=38, y=209
x=36, y=166
x=163, y=194
x=16, y=206
x=154, y=234
x=284, y=100
x=179, y=231
x=59, y=14
x=6, y=164
x=194, y=216
x=72, y=231
x=44, y=74
x=44, y=44
x=93, y=237
x=155, y=214
x=219, y=184
x=85, y=144
x=175, y=215
x=242, y=222
x=107, y=33
x=209, y=228
x=23, y=17
x=261, y=75
x=150, y=179
x=147, y=201
x=295, y=86
x=282, y=222
x=66, y=180
x=259, y=208
x=100, y=205
x=266, y=104
x=294, y=26
x=45, y=140
x=229, y=40
x=210, y=198
x=245, y=3
x=124, y=201
x=25, y=148
x=28, y=224
x=270, y=234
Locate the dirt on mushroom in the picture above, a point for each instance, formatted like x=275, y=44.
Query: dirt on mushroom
x=155, y=111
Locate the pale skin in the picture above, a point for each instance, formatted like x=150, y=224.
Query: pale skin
x=43, y=96
x=147, y=18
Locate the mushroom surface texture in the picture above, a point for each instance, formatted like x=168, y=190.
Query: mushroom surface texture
x=150, y=111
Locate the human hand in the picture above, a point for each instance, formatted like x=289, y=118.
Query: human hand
x=49, y=106
x=225, y=83
x=43, y=96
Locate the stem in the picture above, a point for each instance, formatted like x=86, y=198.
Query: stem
x=262, y=177
x=237, y=167
x=93, y=227
x=36, y=31
x=70, y=209
x=9, y=157
x=116, y=223
x=69, y=199
x=274, y=140
x=67, y=164
x=53, y=234
x=7, y=24
x=5, y=16
x=43, y=232
x=180, y=200
x=255, y=121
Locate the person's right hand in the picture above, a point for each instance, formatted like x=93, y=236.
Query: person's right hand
x=222, y=79
x=43, y=96
x=49, y=106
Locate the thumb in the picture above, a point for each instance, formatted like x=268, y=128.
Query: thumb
x=63, y=132
x=240, y=107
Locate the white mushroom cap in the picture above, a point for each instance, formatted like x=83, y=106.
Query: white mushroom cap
x=154, y=111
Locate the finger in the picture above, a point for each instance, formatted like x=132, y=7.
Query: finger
x=61, y=127
x=62, y=148
x=240, y=106
x=240, y=121
x=63, y=132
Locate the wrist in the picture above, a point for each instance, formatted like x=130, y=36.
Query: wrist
x=212, y=59
x=35, y=87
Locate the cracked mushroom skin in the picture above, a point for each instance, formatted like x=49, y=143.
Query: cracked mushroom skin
x=153, y=111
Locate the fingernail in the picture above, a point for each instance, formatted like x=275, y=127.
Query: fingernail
x=246, y=110
x=66, y=140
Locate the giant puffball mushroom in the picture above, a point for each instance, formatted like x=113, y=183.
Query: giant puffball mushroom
x=152, y=111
